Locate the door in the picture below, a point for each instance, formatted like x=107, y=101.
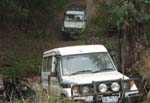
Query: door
x=46, y=68
x=55, y=77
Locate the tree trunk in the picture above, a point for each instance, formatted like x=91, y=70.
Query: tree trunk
x=134, y=42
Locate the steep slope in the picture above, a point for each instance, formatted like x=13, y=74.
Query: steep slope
x=21, y=48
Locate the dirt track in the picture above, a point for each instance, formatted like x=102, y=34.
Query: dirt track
x=55, y=28
x=91, y=8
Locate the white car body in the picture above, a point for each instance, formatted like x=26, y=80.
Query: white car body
x=61, y=84
x=75, y=24
x=74, y=21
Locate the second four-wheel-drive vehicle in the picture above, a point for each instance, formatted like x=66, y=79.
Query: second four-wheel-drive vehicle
x=74, y=21
x=86, y=73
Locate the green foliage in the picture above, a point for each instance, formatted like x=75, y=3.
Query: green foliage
x=27, y=21
x=113, y=14
x=23, y=66
x=146, y=102
x=90, y=32
x=30, y=14
x=59, y=4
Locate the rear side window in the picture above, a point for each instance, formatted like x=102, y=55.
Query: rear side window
x=47, y=64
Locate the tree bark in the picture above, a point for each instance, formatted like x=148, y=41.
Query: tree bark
x=134, y=42
x=135, y=50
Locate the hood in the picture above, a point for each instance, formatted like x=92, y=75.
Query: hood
x=88, y=78
x=74, y=24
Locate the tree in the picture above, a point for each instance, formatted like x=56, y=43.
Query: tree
x=128, y=18
x=24, y=34
x=132, y=28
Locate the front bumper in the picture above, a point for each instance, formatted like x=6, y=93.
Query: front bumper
x=134, y=98
x=125, y=94
x=73, y=31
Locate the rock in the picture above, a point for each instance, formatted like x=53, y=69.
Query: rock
x=36, y=87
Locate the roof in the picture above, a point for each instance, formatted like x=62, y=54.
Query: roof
x=75, y=12
x=76, y=7
x=72, y=50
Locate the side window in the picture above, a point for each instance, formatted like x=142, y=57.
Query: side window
x=56, y=66
x=47, y=64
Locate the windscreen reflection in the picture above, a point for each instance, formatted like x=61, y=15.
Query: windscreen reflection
x=86, y=63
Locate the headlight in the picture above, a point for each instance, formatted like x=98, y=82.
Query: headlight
x=132, y=82
x=128, y=85
x=75, y=90
x=103, y=87
x=115, y=86
x=85, y=90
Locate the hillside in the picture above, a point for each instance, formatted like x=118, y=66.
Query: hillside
x=28, y=28
x=22, y=45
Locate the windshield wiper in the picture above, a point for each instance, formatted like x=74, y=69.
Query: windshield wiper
x=83, y=71
x=101, y=70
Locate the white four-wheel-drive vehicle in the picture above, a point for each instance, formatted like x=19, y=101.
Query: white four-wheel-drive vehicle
x=74, y=21
x=86, y=73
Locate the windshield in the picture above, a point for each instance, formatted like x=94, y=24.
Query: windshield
x=74, y=17
x=92, y=63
